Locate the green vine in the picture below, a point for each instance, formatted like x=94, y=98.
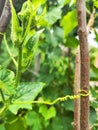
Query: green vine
x=83, y=93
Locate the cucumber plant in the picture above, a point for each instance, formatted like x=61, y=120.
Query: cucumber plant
x=25, y=33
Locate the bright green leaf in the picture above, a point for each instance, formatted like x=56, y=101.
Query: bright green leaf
x=25, y=94
x=15, y=107
x=28, y=91
x=30, y=48
x=96, y=3
x=47, y=113
x=16, y=30
x=69, y=22
x=41, y=22
x=50, y=113
x=37, y=3
x=43, y=110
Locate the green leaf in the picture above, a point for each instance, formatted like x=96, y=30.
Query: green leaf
x=2, y=127
x=31, y=15
x=68, y=120
x=7, y=81
x=16, y=30
x=59, y=33
x=53, y=15
x=50, y=113
x=94, y=71
x=69, y=22
x=25, y=94
x=43, y=110
x=37, y=3
x=30, y=116
x=72, y=2
x=93, y=116
x=16, y=123
x=69, y=105
x=94, y=92
x=62, y=122
x=33, y=120
x=47, y=113
x=6, y=75
x=63, y=2
x=96, y=3
x=57, y=124
x=28, y=91
x=41, y=13
x=51, y=38
x=30, y=49
x=96, y=34
x=72, y=42
x=26, y=17
x=15, y=107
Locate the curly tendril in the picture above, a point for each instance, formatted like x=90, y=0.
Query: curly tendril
x=82, y=93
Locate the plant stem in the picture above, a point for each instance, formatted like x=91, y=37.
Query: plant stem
x=9, y=52
x=19, y=69
x=2, y=95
